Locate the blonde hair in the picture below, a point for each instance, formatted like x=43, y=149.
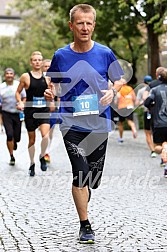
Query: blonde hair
x=35, y=53
x=46, y=64
x=159, y=70
x=163, y=74
x=86, y=8
x=46, y=60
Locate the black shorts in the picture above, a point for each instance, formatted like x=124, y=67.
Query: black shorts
x=147, y=122
x=12, y=125
x=32, y=123
x=125, y=114
x=87, y=159
x=159, y=135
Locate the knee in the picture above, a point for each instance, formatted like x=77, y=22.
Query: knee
x=80, y=179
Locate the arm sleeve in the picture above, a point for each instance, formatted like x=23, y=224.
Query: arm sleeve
x=148, y=88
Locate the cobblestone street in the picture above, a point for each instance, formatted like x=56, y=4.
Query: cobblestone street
x=128, y=211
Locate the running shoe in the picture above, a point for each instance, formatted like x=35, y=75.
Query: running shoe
x=12, y=161
x=165, y=171
x=162, y=164
x=86, y=235
x=153, y=154
x=120, y=140
x=47, y=158
x=32, y=170
x=134, y=134
x=43, y=164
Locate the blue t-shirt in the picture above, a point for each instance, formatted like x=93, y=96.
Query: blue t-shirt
x=82, y=76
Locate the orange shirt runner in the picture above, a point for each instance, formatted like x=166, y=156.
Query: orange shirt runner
x=126, y=97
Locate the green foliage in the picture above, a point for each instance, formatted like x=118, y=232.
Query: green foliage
x=120, y=25
x=140, y=114
x=115, y=27
x=9, y=58
x=37, y=32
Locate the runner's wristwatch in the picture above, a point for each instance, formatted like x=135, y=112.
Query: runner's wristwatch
x=114, y=91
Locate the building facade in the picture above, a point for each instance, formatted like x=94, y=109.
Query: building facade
x=9, y=19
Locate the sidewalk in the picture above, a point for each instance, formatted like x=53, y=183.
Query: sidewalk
x=127, y=212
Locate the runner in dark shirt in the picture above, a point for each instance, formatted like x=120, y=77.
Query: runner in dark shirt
x=157, y=101
x=35, y=84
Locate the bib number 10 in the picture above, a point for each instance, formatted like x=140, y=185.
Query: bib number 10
x=85, y=105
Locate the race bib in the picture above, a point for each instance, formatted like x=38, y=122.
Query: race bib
x=85, y=105
x=39, y=102
x=130, y=107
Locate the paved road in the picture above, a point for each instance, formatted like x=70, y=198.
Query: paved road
x=128, y=212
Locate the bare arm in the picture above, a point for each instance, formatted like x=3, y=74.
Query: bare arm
x=145, y=95
x=48, y=80
x=134, y=96
x=22, y=84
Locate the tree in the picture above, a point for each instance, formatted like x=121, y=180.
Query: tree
x=130, y=27
x=150, y=14
x=112, y=29
x=120, y=20
x=37, y=32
